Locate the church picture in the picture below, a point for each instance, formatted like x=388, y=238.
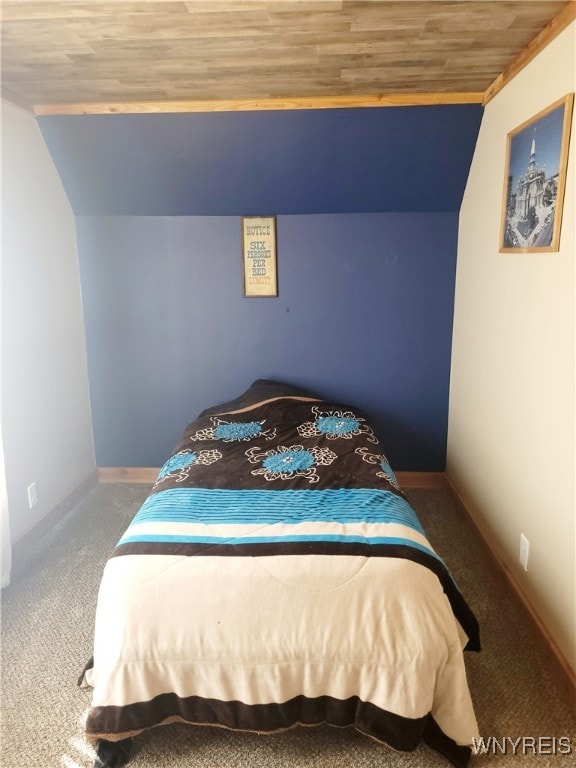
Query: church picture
x=536, y=161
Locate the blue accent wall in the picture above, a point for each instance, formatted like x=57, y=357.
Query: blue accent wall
x=364, y=315
x=367, y=205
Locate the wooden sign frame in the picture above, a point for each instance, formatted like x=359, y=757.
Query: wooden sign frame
x=259, y=258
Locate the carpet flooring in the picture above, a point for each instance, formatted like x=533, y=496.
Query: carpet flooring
x=48, y=620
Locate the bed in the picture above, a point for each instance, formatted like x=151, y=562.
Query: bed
x=276, y=576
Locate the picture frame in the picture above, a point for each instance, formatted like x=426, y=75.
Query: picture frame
x=535, y=179
x=259, y=258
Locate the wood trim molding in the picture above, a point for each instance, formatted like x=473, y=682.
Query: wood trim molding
x=435, y=480
x=559, y=665
x=253, y=105
x=148, y=475
x=558, y=24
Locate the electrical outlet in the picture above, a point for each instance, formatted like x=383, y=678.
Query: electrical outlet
x=524, y=550
x=32, y=495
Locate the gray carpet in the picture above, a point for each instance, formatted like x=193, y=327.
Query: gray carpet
x=47, y=624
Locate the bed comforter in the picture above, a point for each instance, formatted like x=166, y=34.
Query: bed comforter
x=276, y=575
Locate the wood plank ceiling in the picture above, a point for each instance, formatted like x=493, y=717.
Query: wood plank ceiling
x=69, y=56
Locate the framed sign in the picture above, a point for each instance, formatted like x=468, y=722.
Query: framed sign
x=259, y=256
x=534, y=180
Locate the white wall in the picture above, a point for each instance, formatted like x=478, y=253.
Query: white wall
x=511, y=448
x=45, y=406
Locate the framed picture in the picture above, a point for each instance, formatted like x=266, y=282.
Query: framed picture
x=259, y=256
x=534, y=181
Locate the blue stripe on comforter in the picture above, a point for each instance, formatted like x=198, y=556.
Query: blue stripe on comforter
x=342, y=505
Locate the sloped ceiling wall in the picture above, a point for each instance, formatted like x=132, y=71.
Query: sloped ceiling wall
x=398, y=159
